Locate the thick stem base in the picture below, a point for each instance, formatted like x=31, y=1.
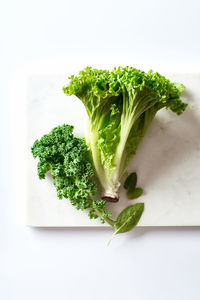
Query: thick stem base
x=110, y=199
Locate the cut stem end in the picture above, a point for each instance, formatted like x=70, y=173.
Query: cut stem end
x=110, y=199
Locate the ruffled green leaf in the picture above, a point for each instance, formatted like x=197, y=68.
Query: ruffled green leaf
x=121, y=105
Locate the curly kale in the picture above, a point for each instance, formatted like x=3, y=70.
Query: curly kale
x=68, y=160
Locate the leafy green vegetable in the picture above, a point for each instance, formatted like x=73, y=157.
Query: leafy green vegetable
x=129, y=218
x=68, y=160
x=134, y=193
x=131, y=180
x=130, y=185
x=121, y=105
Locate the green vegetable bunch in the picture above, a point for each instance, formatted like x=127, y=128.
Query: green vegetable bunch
x=121, y=105
x=68, y=159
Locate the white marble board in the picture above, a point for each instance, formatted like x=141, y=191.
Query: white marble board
x=167, y=161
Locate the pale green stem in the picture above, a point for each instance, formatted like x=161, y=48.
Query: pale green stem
x=107, y=219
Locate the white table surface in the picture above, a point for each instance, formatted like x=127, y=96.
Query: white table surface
x=150, y=263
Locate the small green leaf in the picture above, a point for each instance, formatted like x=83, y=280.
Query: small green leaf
x=134, y=193
x=131, y=180
x=129, y=218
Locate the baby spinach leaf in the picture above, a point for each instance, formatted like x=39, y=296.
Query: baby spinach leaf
x=134, y=193
x=131, y=180
x=129, y=218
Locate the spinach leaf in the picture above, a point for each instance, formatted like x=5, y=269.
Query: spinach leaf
x=129, y=218
x=134, y=193
x=131, y=180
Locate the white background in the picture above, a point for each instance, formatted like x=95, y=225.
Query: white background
x=76, y=263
